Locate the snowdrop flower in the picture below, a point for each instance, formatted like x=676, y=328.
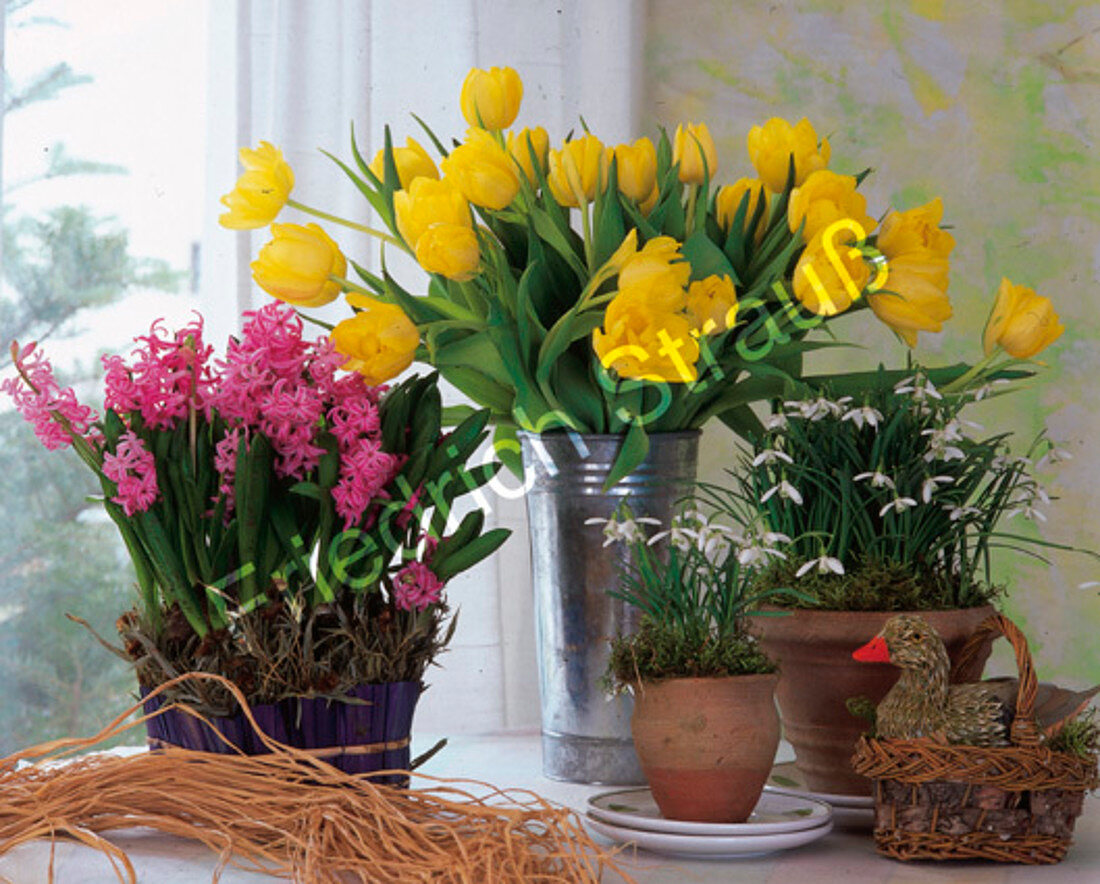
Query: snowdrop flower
x=786, y=490
x=1028, y=510
x=824, y=565
x=772, y=537
x=878, y=479
x=865, y=415
x=928, y=486
x=775, y=422
x=771, y=455
x=954, y=513
x=979, y=393
x=898, y=505
x=1054, y=456
x=753, y=555
x=679, y=535
x=919, y=387
x=626, y=531
x=1088, y=584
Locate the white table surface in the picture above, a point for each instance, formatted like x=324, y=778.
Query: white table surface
x=842, y=857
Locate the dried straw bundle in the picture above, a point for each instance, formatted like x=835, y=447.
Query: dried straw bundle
x=291, y=815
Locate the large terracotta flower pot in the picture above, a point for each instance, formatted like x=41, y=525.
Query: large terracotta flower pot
x=817, y=675
x=706, y=744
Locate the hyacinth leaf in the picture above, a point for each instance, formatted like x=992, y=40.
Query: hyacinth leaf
x=460, y=443
x=632, y=452
x=168, y=568
x=251, y=490
x=288, y=532
x=476, y=550
x=427, y=405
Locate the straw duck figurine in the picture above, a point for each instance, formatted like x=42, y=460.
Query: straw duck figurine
x=923, y=704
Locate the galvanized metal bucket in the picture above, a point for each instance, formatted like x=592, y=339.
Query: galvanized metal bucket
x=586, y=735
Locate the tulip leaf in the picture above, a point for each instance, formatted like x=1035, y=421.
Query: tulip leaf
x=569, y=328
x=377, y=200
x=707, y=259
x=743, y=421
x=631, y=453
x=608, y=228
x=507, y=448
x=474, y=350
x=482, y=389
x=427, y=130
x=573, y=392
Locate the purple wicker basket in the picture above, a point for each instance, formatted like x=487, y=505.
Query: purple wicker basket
x=354, y=737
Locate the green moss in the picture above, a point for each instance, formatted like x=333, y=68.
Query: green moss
x=660, y=651
x=872, y=586
x=1080, y=736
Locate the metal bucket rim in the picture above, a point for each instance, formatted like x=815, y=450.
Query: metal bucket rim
x=671, y=434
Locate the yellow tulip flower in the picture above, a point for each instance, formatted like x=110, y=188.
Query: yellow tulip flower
x=520, y=144
x=772, y=145
x=490, y=99
x=298, y=265
x=729, y=199
x=578, y=170
x=636, y=165
x=427, y=202
x=642, y=342
x=412, y=162
x=379, y=341
x=261, y=192
x=483, y=171
x=449, y=249
x=694, y=150
x=914, y=296
x=826, y=197
x=712, y=304
x=655, y=276
x=1021, y=322
x=827, y=280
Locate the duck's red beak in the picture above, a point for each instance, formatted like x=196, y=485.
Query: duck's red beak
x=875, y=651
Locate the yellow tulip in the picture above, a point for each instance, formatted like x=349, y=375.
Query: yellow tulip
x=772, y=145
x=427, y=202
x=642, y=342
x=636, y=166
x=1021, y=322
x=826, y=197
x=712, y=304
x=520, y=146
x=490, y=99
x=578, y=170
x=298, y=264
x=412, y=162
x=729, y=199
x=379, y=341
x=914, y=296
x=261, y=192
x=655, y=276
x=827, y=286
x=693, y=149
x=483, y=171
x=449, y=249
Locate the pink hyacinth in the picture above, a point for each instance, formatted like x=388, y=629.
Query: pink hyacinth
x=164, y=378
x=365, y=470
x=415, y=587
x=225, y=462
x=133, y=469
x=43, y=402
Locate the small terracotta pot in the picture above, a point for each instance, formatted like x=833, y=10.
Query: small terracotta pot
x=706, y=744
x=817, y=675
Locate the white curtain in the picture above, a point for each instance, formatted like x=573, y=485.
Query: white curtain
x=298, y=73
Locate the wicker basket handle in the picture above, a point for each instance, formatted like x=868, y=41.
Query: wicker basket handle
x=1024, y=731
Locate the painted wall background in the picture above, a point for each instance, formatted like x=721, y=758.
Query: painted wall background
x=993, y=105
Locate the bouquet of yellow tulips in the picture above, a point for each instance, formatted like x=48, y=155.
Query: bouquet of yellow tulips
x=607, y=289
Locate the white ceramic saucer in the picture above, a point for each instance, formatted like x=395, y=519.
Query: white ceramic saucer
x=775, y=812
x=786, y=777
x=706, y=846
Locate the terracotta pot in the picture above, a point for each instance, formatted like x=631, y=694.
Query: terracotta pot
x=817, y=675
x=706, y=744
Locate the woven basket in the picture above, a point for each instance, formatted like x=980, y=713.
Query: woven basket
x=1016, y=803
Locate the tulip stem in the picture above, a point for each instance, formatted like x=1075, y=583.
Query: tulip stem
x=690, y=224
x=336, y=219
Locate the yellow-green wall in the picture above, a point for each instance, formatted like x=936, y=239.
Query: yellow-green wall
x=993, y=105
